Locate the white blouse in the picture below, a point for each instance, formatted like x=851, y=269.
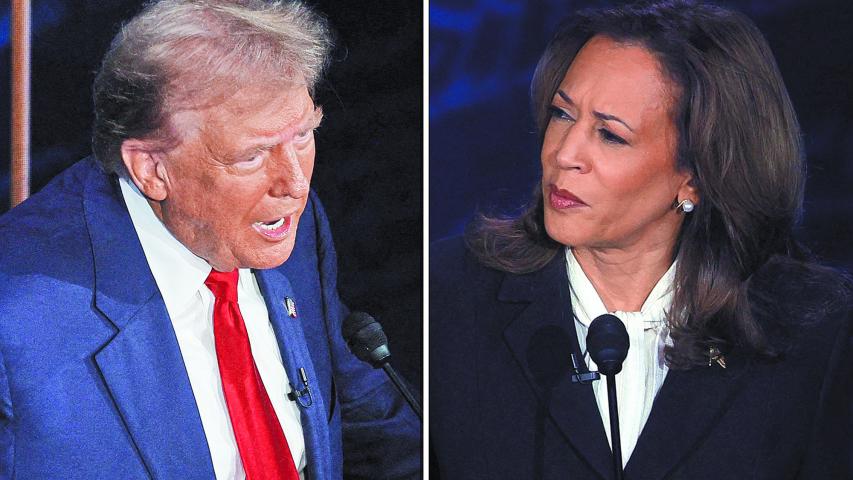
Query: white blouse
x=644, y=370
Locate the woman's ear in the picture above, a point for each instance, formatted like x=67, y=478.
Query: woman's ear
x=687, y=190
x=144, y=164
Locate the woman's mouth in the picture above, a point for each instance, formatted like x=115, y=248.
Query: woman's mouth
x=562, y=199
x=274, y=229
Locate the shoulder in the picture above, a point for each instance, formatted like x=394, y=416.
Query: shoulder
x=313, y=234
x=313, y=250
x=805, y=311
x=63, y=192
x=315, y=213
x=804, y=308
x=466, y=297
x=447, y=257
x=451, y=258
x=455, y=271
x=458, y=273
x=48, y=215
x=45, y=239
x=47, y=277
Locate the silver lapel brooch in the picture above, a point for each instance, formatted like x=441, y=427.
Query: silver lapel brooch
x=714, y=355
x=290, y=305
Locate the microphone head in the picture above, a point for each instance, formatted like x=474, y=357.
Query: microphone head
x=607, y=343
x=366, y=339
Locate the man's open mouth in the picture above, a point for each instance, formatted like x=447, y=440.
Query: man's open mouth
x=274, y=229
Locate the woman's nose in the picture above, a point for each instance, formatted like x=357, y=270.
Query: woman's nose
x=573, y=149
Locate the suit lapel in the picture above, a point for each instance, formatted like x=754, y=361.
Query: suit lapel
x=142, y=364
x=145, y=374
x=294, y=353
x=685, y=410
x=541, y=339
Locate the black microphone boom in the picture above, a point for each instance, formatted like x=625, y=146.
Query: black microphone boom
x=369, y=344
x=607, y=342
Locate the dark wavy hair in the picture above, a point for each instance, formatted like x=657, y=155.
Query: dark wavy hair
x=738, y=136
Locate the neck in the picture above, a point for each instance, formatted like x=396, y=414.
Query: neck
x=623, y=278
x=157, y=207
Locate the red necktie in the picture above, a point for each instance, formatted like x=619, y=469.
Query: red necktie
x=260, y=440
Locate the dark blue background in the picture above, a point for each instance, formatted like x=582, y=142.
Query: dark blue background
x=483, y=150
x=369, y=150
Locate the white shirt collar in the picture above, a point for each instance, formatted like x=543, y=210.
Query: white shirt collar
x=179, y=273
x=587, y=303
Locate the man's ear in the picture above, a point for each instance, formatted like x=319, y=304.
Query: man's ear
x=144, y=164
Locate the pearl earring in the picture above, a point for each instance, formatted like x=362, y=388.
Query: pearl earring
x=686, y=206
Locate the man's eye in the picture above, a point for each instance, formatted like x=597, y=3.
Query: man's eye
x=253, y=160
x=303, y=137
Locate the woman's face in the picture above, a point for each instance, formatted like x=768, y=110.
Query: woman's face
x=609, y=177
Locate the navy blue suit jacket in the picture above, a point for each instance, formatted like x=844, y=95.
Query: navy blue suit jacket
x=92, y=382
x=502, y=404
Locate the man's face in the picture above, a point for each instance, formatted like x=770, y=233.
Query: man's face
x=238, y=182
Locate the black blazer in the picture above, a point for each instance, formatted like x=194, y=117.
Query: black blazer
x=502, y=404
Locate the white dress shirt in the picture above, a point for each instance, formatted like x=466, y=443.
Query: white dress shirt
x=644, y=370
x=180, y=277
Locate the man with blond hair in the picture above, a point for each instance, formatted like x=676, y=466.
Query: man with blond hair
x=160, y=314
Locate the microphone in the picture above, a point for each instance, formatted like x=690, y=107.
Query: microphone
x=607, y=343
x=369, y=344
x=366, y=339
x=298, y=395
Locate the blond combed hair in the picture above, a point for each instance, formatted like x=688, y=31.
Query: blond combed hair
x=189, y=54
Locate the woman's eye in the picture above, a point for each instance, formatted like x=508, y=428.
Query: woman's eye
x=611, y=137
x=559, y=113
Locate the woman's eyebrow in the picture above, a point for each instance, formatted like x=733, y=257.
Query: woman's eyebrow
x=566, y=98
x=602, y=116
x=607, y=116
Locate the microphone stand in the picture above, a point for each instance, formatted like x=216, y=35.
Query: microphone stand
x=369, y=344
x=615, y=439
x=607, y=342
x=401, y=387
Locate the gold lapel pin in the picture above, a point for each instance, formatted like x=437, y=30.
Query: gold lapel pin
x=714, y=355
x=290, y=305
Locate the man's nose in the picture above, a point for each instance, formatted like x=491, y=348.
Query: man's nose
x=289, y=179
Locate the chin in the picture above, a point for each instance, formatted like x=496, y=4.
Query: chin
x=569, y=233
x=269, y=257
x=268, y=263
x=250, y=252
x=556, y=229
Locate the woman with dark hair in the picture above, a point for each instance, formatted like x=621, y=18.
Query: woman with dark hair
x=672, y=179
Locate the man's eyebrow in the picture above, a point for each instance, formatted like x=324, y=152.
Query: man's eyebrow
x=601, y=116
x=310, y=119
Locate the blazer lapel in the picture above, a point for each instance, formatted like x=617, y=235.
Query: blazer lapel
x=685, y=410
x=541, y=339
x=142, y=364
x=294, y=353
